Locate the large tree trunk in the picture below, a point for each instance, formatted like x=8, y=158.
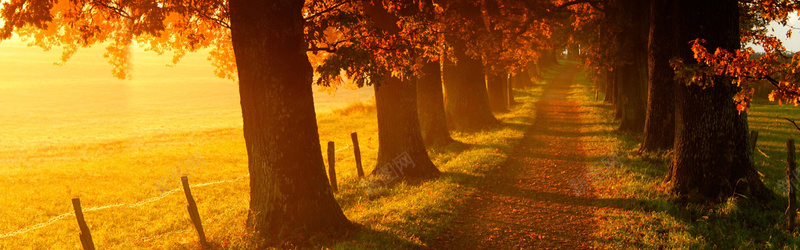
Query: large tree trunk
x=659, y=128
x=632, y=73
x=510, y=91
x=572, y=52
x=611, y=89
x=401, y=152
x=290, y=198
x=618, y=96
x=497, y=88
x=548, y=58
x=430, y=106
x=522, y=80
x=466, y=100
x=533, y=75
x=711, y=155
x=632, y=103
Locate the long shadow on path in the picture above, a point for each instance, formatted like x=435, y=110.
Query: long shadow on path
x=538, y=199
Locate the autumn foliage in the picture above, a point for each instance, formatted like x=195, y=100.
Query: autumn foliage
x=776, y=66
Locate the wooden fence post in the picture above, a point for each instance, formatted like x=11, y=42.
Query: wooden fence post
x=791, y=210
x=332, y=166
x=357, y=152
x=85, y=235
x=192, y=207
x=510, y=88
x=753, y=139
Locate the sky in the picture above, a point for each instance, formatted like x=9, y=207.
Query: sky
x=792, y=44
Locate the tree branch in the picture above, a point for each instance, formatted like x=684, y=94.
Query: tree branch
x=330, y=47
x=116, y=10
x=792, y=121
x=329, y=9
x=593, y=3
x=772, y=81
x=596, y=5
x=778, y=86
x=315, y=49
x=215, y=19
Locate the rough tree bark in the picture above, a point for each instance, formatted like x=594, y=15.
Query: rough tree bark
x=611, y=90
x=548, y=58
x=466, y=100
x=632, y=73
x=399, y=136
x=533, y=73
x=290, y=198
x=711, y=156
x=401, y=152
x=522, y=80
x=618, y=99
x=659, y=128
x=430, y=106
x=497, y=88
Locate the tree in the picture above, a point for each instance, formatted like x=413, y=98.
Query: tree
x=631, y=69
x=289, y=193
x=466, y=99
x=522, y=80
x=613, y=39
x=430, y=106
x=594, y=28
x=290, y=199
x=711, y=156
x=497, y=88
x=399, y=137
x=611, y=86
x=498, y=36
x=659, y=129
x=384, y=48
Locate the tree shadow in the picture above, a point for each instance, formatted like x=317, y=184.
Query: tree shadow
x=365, y=237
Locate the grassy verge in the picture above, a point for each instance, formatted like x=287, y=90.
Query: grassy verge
x=635, y=212
x=409, y=216
x=131, y=189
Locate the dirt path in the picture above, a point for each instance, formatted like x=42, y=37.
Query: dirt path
x=538, y=198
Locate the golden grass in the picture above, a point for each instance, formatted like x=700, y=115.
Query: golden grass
x=126, y=173
x=635, y=212
x=120, y=145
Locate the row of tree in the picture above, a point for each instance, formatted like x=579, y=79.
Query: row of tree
x=435, y=66
x=664, y=84
x=410, y=51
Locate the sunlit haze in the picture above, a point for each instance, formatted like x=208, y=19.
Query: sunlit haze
x=474, y=129
x=82, y=102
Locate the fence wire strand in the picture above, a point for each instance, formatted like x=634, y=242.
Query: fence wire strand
x=140, y=203
x=129, y=205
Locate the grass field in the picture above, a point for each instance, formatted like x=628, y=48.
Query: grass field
x=636, y=212
x=121, y=145
x=81, y=102
x=75, y=130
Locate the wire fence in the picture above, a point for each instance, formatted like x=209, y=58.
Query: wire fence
x=143, y=202
x=129, y=205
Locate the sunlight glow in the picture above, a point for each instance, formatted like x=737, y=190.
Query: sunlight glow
x=2, y=3
x=779, y=31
